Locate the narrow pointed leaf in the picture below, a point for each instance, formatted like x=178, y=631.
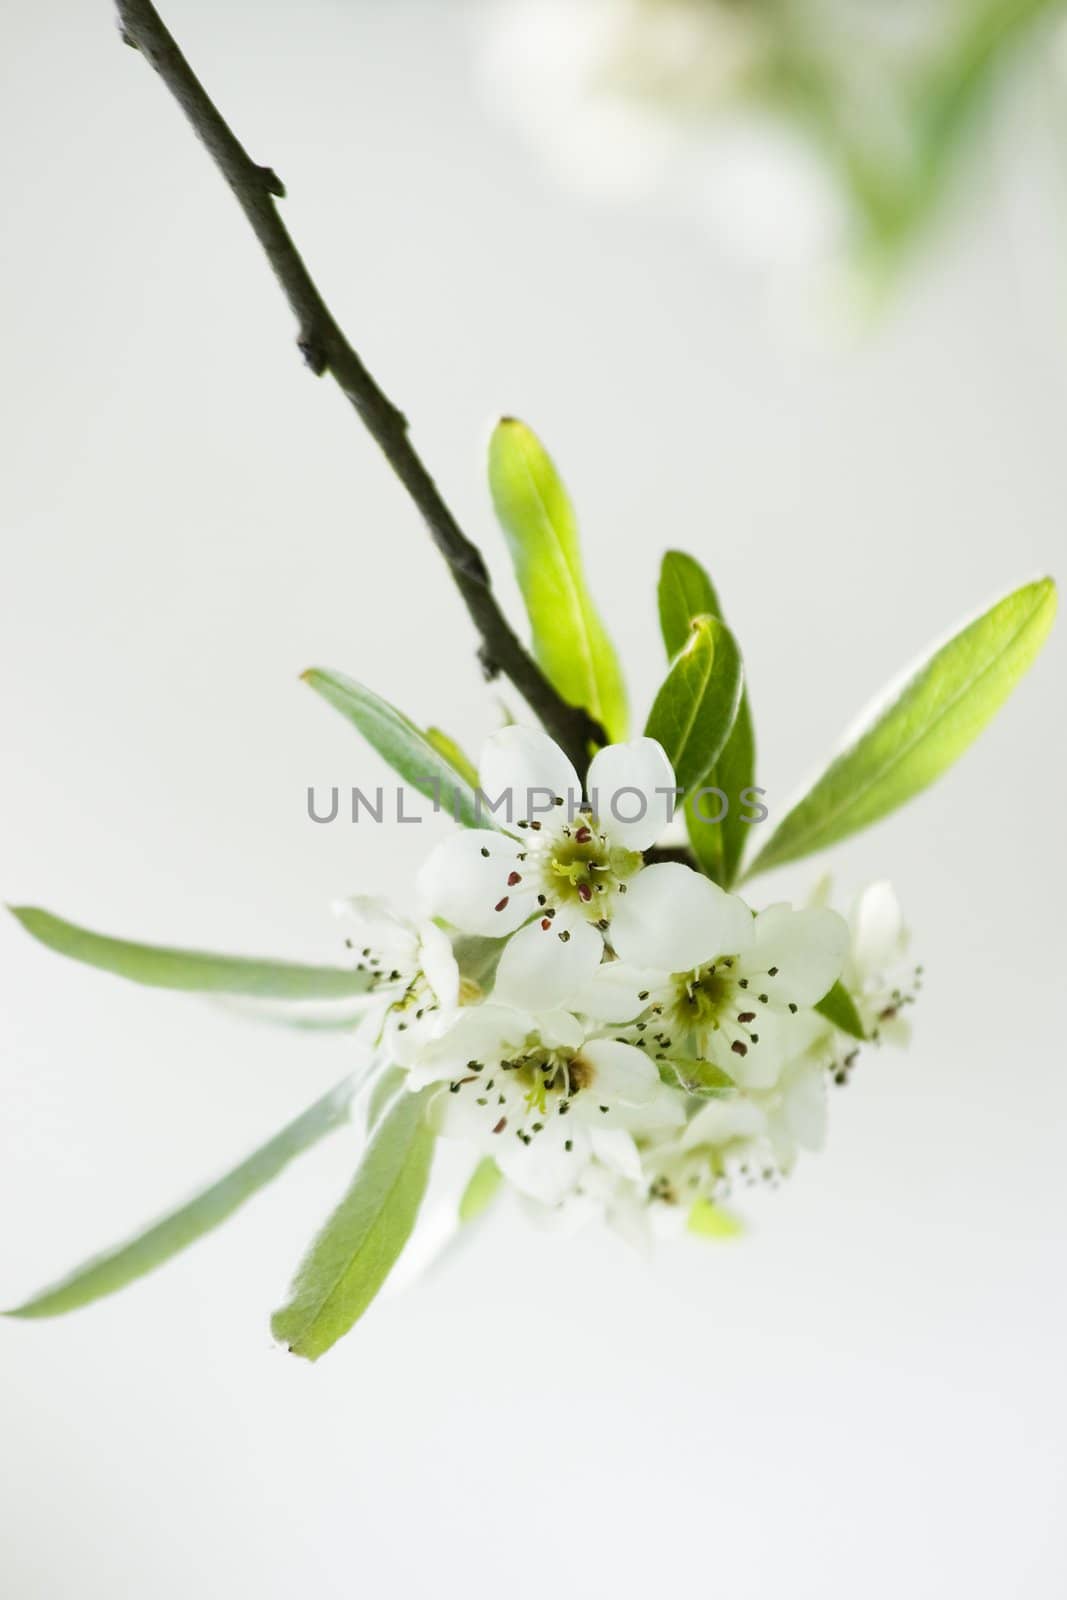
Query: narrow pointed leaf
x=195, y=971
x=903, y=745
x=696, y=706
x=106, y=1273
x=409, y=751
x=447, y=747
x=686, y=592
x=569, y=640
x=356, y=1250
x=839, y=1008
x=481, y=1190
x=384, y=1091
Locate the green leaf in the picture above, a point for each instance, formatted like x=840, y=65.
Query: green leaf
x=106, y=1273
x=695, y=708
x=478, y=957
x=408, y=750
x=358, y=1247
x=192, y=970
x=457, y=758
x=696, y=1076
x=570, y=642
x=839, y=1008
x=481, y=1190
x=386, y=1087
x=905, y=745
x=685, y=593
x=713, y=1222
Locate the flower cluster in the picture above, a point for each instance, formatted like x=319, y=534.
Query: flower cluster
x=616, y=1033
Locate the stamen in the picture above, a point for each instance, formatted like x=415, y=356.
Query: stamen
x=501, y=904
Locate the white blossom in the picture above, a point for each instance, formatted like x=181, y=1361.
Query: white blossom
x=702, y=977
x=558, y=886
x=415, y=985
x=542, y=1097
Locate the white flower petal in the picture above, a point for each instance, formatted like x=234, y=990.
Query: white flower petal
x=674, y=919
x=622, y=1074
x=879, y=938
x=725, y=1122
x=485, y=1033
x=459, y=1116
x=372, y=924
x=544, y=1169
x=540, y=970
x=616, y=1149
x=521, y=761
x=663, y=1113
x=806, y=948
x=465, y=879
x=438, y=962
x=765, y=1061
x=804, y=1105
x=614, y=774
x=614, y=992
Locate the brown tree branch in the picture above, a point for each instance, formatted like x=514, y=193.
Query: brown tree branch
x=325, y=349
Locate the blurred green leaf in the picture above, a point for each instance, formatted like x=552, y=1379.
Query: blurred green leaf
x=695, y=708
x=408, y=750
x=839, y=1008
x=686, y=592
x=481, y=1190
x=905, y=744
x=387, y=1085
x=570, y=642
x=696, y=1076
x=478, y=957
x=359, y=1245
x=710, y=1221
x=192, y=970
x=447, y=747
x=106, y=1273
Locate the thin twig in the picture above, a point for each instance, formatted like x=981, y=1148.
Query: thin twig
x=325, y=349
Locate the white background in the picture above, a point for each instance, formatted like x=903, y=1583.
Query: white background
x=866, y=1395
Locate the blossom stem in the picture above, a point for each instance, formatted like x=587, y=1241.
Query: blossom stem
x=326, y=349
